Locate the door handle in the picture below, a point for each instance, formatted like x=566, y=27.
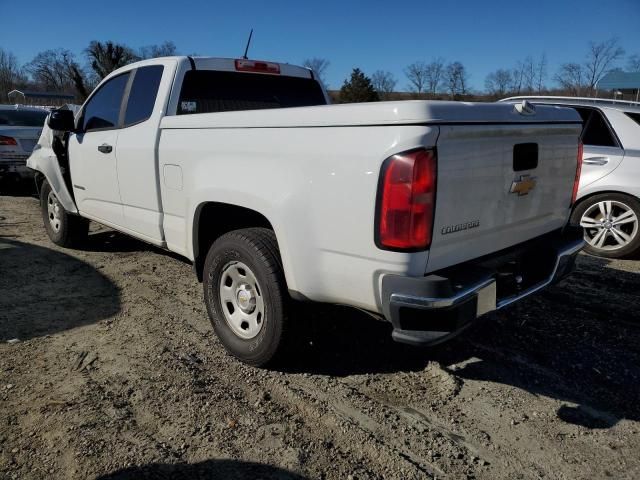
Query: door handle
x=596, y=161
x=105, y=148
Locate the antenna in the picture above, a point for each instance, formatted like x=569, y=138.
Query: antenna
x=246, y=50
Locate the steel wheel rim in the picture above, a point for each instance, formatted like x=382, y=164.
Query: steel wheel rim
x=241, y=300
x=53, y=211
x=609, y=225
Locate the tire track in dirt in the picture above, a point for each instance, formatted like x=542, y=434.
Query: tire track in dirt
x=538, y=391
x=329, y=414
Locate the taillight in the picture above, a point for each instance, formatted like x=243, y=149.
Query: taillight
x=257, y=66
x=7, y=140
x=406, y=201
x=576, y=181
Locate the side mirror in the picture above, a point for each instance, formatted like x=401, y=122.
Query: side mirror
x=62, y=120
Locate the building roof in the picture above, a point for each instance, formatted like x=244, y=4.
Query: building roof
x=27, y=94
x=620, y=81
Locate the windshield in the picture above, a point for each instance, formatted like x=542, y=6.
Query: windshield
x=23, y=118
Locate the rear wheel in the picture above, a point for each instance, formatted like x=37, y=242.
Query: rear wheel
x=611, y=224
x=63, y=228
x=246, y=294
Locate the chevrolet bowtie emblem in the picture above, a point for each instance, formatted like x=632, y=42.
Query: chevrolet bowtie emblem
x=524, y=185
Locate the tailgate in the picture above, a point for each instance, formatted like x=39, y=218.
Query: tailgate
x=500, y=185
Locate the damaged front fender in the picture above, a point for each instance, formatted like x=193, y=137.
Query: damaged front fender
x=44, y=160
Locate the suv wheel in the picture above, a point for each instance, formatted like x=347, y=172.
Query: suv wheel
x=611, y=224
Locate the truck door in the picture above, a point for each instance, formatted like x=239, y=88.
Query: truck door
x=92, y=154
x=136, y=153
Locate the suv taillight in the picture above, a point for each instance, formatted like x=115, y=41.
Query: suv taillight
x=7, y=140
x=576, y=181
x=406, y=201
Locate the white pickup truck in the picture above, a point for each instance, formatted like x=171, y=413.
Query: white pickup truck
x=426, y=214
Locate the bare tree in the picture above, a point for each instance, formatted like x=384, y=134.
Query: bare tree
x=58, y=70
x=541, y=73
x=319, y=67
x=517, y=78
x=434, y=72
x=47, y=69
x=529, y=74
x=498, y=83
x=571, y=77
x=456, y=78
x=108, y=56
x=11, y=75
x=383, y=83
x=600, y=60
x=633, y=63
x=166, y=49
x=417, y=75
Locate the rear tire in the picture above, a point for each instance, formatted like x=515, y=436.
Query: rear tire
x=63, y=228
x=611, y=223
x=246, y=295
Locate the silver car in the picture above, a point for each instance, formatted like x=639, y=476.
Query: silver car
x=608, y=205
x=20, y=128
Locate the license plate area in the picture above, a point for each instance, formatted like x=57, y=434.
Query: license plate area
x=516, y=274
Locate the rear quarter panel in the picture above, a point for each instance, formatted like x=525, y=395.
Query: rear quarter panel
x=316, y=185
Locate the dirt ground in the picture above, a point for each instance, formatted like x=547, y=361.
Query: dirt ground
x=117, y=375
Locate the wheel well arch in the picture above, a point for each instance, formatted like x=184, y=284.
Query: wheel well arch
x=214, y=219
x=601, y=192
x=38, y=178
x=582, y=200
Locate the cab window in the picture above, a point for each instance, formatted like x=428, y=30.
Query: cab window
x=142, y=96
x=103, y=109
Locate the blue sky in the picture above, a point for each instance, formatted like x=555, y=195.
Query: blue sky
x=483, y=35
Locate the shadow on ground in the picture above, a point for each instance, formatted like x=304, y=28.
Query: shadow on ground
x=111, y=241
x=578, y=342
x=209, y=470
x=43, y=291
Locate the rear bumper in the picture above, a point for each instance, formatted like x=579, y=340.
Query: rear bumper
x=432, y=309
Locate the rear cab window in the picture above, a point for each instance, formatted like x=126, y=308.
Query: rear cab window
x=143, y=93
x=207, y=91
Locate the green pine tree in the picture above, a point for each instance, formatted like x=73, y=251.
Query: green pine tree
x=358, y=89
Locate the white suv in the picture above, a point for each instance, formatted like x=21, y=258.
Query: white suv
x=608, y=206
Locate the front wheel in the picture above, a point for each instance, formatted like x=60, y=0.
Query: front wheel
x=610, y=222
x=63, y=228
x=246, y=294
